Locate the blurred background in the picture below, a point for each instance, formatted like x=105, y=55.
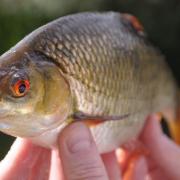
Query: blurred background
x=161, y=20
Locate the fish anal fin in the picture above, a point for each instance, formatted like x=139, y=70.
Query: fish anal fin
x=173, y=119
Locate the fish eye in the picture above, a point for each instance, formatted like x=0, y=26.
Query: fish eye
x=20, y=88
x=134, y=23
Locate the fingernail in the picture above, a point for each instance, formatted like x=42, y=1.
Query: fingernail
x=79, y=138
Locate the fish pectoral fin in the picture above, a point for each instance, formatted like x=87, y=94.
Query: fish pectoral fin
x=92, y=120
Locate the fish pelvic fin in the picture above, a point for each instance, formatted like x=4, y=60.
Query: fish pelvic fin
x=172, y=116
x=93, y=120
x=174, y=126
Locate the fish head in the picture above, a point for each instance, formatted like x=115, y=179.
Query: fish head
x=34, y=96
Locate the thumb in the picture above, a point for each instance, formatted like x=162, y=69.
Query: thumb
x=79, y=155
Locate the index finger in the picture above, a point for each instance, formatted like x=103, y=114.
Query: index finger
x=22, y=161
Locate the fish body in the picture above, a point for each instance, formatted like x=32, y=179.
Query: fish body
x=95, y=67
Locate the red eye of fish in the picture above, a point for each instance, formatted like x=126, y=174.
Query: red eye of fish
x=134, y=22
x=21, y=87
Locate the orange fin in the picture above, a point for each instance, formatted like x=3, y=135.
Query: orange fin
x=93, y=120
x=92, y=123
x=173, y=120
x=175, y=127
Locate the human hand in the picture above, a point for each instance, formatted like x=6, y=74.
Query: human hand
x=160, y=159
x=33, y=162
x=163, y=161
x=79, y=159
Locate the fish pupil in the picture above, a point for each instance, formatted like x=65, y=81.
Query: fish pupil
x=22, y=88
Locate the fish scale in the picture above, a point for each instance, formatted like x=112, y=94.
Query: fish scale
x=109, y=71
x=98, y=65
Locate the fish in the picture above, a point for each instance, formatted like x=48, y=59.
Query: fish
x=97, y=68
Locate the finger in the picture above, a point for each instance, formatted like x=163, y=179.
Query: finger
x=137, y=170
x=163, y=151
x=56, y=171
x=154, y=171
x=23, y=162
x=123, y=157
x=79, y=155
x=132, y=150
x=112, y=166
